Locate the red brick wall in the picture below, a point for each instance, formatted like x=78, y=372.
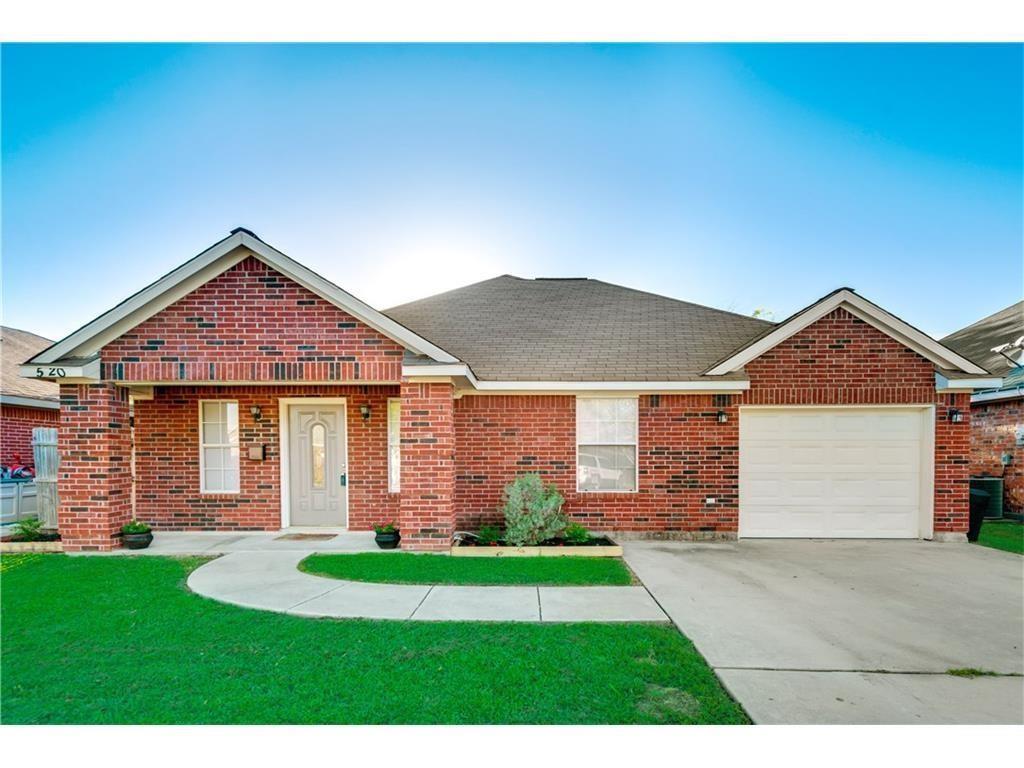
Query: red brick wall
x=685, y=455
x=167, y=458
x=94, y=478
x=428, y=465
x=16, y=425
x=252, y=323
x=994, y=428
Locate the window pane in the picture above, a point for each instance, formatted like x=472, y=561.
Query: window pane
x=625, y=432
x=230, y=480
x=587, y=432
x=626, y=409
x=231, y=433
x=318, y=443
x=212, y=458
x=212, y=413
x=606, y=432
x=213, y=433
x=394, y=468
x=607, y=468
x=212, y=478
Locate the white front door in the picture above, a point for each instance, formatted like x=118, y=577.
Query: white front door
x=832, y=472
x=318, y=472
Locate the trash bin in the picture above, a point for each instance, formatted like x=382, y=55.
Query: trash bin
x=979, y=506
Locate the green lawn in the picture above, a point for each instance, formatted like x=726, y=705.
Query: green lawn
x=1007, y=535
x=408, y=568
x=121, y=640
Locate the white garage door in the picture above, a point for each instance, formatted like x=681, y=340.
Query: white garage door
x=831, y=473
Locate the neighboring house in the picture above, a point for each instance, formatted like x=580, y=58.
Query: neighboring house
x=267, y=397
x=997, y=415
x=24, y=403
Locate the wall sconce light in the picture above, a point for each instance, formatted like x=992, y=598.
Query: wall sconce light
x=955, y=416
x=364, y=411
x=257, y=412
x=722, y=417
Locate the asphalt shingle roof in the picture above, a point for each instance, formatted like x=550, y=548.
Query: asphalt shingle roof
x=975, y=342
x=514, y=329
x=17, y=346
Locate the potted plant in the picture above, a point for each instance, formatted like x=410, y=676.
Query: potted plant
x=136, y=535
x=387, y=535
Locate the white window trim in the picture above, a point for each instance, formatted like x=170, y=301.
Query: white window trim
x=394, y=483
x=202, y=445
x=636, y=444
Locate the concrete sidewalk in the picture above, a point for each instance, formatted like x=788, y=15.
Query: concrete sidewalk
x=269, y=580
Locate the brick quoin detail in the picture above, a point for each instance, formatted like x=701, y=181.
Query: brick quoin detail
x=251, y=323
x=994, y=428
x=16, y=425
x=167, y=458
x=95, y=475
x=427, y=518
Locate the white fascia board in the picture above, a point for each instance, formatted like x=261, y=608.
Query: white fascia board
x=423, y=372
x=90, y=338
x=862, y=308
x=344, y=300
x=942, y=384
x=1003, y=394
x=67, y=374
x=29, y=402
x=218, y=258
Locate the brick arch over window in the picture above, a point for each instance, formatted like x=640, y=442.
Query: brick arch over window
x=251, y=323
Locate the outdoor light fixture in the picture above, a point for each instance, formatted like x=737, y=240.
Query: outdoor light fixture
x=955, y=416
x=364, y=411
x=256, y=411
x=722, y=417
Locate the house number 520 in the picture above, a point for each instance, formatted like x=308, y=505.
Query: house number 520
x=55, y=372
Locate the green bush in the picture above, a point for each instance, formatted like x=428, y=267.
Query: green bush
x=577, y=534
x=29, y=530
x=135, y=526
x=533, y=511
x=489, y=534
x=385, y=528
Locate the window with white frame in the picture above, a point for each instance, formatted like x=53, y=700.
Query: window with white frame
x=394, y=444
x=606, y=438
x=218, y=446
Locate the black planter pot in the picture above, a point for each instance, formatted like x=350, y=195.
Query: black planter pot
x=387, y=540
x=137, y=540
x=979, y=505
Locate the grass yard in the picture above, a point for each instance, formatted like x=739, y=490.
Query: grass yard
x=122, y=640
x=408, y=568
x=1007, y=535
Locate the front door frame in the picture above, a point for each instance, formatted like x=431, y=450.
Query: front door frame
x=284, y=448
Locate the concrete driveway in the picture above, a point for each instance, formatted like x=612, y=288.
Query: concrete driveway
x=849, y=631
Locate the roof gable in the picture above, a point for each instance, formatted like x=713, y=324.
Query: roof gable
x=215, y=260
x=859, y=307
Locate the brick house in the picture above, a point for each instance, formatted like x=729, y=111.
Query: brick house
x=24, y=403
x=997, y=414
x=266, y=397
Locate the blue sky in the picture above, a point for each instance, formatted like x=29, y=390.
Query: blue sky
x=740, y=177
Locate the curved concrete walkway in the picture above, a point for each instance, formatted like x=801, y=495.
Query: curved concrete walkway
x=271, y=581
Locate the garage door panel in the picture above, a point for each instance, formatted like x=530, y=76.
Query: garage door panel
x=835, y=473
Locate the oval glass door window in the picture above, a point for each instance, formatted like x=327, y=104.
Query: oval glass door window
x=318, y=444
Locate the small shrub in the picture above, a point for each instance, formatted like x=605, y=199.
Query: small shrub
x=29, y=530
x=533, y=511
x=385, y=528
x=489, y=534
x=135, y=526
x=577, y=534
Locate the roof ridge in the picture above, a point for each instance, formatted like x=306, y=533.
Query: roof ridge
x=453, y=290
x=682, y=301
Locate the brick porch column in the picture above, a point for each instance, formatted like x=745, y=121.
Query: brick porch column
x=427, y=498
x=952, y=468
x=94, y=479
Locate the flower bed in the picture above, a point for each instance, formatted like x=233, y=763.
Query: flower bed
x=596, y=546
